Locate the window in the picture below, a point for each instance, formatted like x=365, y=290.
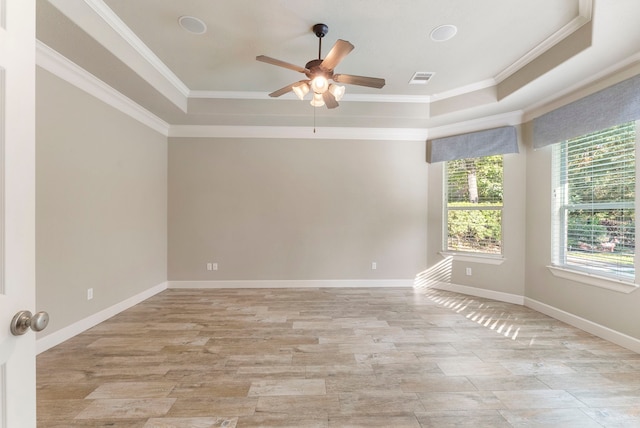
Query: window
x=474, y=205
x=594, y=203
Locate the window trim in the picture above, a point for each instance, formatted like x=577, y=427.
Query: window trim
x=588, y=278
x=558, y=249
x=481, y=258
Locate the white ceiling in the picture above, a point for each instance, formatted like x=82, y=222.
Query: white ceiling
x=507, y=56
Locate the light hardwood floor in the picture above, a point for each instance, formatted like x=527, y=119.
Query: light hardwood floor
x=335, y=358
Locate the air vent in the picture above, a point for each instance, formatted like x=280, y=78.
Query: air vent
x=421, y=78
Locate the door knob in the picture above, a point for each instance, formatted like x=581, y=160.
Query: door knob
x=24, y=320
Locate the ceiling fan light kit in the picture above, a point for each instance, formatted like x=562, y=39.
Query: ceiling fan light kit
x=319, y=73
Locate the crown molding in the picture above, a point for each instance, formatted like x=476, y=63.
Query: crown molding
x=114, y=21
x=298, y=132
x=110, y=18
x=473, y=87
x=365, y=98
x=52, y=61
x=55, y=63
x=100, y=22
x=616, y=73
x=229, y=95
x=63, y=68
x=585, y=12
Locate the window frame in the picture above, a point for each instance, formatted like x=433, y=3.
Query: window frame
x=474, y=256
x=559, y=226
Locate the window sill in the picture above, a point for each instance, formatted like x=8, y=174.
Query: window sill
x=473, y=258
x=593, y=280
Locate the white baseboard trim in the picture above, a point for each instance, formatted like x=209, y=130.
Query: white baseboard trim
x=601, y=331
x=481, y=292
x=583, y=324
x=320, y=283
x=76, y=328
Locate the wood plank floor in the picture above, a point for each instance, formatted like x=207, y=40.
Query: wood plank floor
x=335, y=358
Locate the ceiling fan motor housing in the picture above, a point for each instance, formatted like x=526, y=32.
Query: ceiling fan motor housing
x=315, y=69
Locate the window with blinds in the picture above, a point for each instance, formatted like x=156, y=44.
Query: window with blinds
x=474, y=205
x=594, y=202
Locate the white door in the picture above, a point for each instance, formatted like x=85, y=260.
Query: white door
x=17, y=210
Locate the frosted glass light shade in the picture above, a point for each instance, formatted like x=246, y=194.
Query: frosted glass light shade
x=319, y=84
x=317, y=100
x=300, y=89
x=337, y=91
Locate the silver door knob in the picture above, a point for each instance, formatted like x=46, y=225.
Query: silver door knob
x=24, y=320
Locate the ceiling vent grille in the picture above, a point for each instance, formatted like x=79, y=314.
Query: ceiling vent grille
x=421, y=78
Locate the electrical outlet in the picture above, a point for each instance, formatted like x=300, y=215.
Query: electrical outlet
x=89, y=293
x=374, y=265
x=209, y=266
x=214, y=266
x=468, y=271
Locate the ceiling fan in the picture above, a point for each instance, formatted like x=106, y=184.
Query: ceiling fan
x=320, y=71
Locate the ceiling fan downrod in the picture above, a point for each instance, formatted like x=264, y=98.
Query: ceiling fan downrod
x=320, y=30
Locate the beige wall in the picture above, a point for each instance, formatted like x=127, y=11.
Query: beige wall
x=101, y=186
x=296, y=209
x=507, y=277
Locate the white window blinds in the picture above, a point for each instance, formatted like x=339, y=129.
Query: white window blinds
x=594, y=202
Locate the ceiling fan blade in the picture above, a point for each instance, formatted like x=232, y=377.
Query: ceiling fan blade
x=339, y=50
x=350, y=79
x=279, y=63
x=281, y=91
x=329, y=100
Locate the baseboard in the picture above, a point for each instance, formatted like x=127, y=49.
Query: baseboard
x=320, y=283
x=583, y=324
x=76, y=328
x=601, y=331
x=480, y=292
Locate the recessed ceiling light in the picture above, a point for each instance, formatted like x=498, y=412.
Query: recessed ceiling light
x=192, y=24
x=443, y=33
